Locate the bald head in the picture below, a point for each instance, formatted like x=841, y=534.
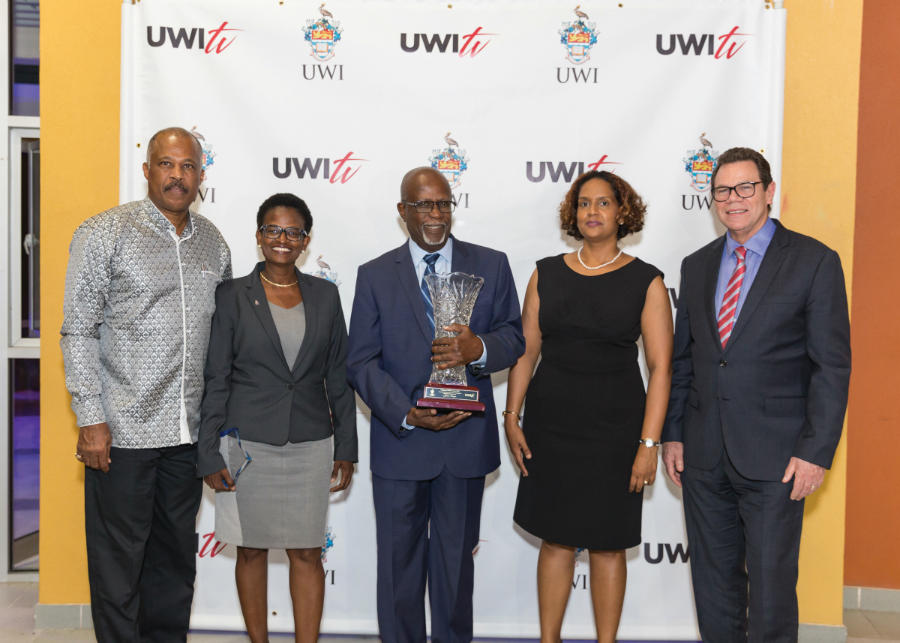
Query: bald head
x=416, y=177
x=426, y=188
x=171, y=133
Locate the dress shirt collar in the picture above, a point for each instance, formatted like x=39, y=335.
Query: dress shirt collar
x=162, y=222
x=418, y=254
x=757, y=244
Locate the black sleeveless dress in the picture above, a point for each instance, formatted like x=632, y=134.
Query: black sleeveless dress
x=585, y=407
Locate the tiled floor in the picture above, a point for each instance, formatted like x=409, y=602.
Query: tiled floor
x=17, y=601
x=869, y=627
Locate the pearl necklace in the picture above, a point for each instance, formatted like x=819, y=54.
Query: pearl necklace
x=602, y=265
x=269, y=281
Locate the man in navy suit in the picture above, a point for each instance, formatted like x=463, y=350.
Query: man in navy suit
x=428, y=468
x=761, y=370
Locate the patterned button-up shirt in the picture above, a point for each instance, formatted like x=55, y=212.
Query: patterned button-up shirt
x=137, y=311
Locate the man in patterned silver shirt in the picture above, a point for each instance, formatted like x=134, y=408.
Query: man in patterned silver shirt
x=140, y=293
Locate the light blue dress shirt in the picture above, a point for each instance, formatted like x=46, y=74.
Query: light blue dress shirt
x=756, y=249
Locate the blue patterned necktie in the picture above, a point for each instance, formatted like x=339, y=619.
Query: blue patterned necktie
x=430, y=260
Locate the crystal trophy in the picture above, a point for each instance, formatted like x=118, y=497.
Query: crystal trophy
x=453, y=296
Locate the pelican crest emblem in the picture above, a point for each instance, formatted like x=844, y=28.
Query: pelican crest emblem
x=322, y=34
x=209, y=157
x=578, y=37
x=451, y=161
x=700, y=163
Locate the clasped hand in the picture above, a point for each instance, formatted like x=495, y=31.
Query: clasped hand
x=465, y=347
x=429, y=418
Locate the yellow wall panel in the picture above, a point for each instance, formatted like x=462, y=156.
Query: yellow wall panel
x=80, y=45
x=818, y=197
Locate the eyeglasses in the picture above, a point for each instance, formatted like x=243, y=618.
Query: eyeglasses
x=743, y=190
x=224, y=433
x=272, y=231
x=424, y=207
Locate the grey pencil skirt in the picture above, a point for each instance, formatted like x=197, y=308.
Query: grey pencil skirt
x=281, y=499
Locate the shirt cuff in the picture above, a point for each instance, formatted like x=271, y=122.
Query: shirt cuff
x=481, y=361
x=88, y=410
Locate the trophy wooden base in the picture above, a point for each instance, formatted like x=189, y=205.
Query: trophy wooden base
x=450, y=396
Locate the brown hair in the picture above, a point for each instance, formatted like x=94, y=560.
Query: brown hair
x=631, y=206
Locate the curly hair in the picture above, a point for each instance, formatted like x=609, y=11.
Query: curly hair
x=631, y=205
x=287, y=200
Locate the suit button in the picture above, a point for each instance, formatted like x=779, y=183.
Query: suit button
x=723, y=363
x=290, y=387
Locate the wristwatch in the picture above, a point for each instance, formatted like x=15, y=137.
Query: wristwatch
x=649, y=442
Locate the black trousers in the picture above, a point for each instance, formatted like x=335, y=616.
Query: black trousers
x=140, y=523
x=744, y=538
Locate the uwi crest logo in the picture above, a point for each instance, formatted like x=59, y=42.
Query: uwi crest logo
x=329, y=543
x=450, y=161
x=578, y=37
x=700, y=164
x=322, y=34
x=209, y=157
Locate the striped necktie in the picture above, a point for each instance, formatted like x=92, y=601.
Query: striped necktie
x=728, y=311
x=430, y=260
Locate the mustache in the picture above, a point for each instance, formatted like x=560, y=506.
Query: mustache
x=175, y=185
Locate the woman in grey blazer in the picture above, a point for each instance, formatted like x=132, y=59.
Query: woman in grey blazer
x=278, y=418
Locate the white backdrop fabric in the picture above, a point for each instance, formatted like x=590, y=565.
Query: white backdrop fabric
x=512, y=99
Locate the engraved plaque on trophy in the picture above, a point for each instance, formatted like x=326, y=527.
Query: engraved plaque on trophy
x=453, y=296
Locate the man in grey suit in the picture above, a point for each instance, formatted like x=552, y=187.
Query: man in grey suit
x=140, y=292
x=759, y=390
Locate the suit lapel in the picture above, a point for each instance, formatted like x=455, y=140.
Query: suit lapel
x=711, y=276
x=310, y=312
x=771, y=262
x=260, y=306
x=460, y=260
x=406, y=277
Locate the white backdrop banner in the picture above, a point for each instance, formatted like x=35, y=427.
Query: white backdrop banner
x=512, y=99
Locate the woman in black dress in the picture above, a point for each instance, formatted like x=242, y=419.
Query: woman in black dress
x=589, y=444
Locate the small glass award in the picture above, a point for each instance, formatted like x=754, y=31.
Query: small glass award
x=453, y=296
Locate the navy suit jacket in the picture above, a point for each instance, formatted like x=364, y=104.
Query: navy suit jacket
x=389, y=362
x=779, y=388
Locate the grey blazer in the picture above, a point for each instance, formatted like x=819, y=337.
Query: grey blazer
x=249, y=385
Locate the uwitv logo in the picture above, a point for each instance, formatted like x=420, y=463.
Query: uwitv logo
x=698, y=44
x=469, y=44
x=566, y=171
x=209, y=41
x=333, y=170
